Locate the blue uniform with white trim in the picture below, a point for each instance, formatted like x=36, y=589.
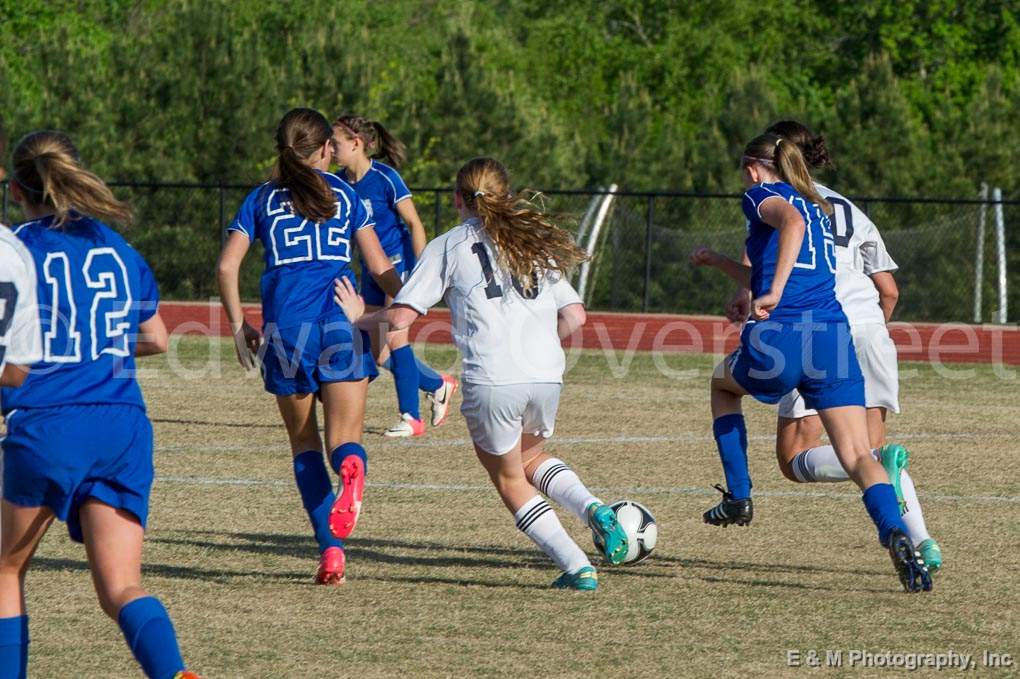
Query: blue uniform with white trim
x=309, y=340
x=380, y=189
x=77, y=427
x=806, y=342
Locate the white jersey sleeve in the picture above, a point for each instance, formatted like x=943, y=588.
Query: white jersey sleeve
x=20, y=339
x=564, y=293
x=874, y=257
x=430, y=278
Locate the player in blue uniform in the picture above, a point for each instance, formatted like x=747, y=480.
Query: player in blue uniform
x=798, y=338
x=79, y=443
x=361, y=146
x=306, y=218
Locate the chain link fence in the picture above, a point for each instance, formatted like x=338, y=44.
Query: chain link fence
x=641, y=253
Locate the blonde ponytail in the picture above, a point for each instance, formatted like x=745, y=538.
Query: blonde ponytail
x=527, y=243
x=48, y=171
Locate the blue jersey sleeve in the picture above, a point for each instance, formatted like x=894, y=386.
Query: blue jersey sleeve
x=753, y=198
x=244, y=221
x=361, y=216
x=396, y=189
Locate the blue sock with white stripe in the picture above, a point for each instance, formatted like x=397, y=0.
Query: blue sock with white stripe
x=150, y=636
x=731, y=439
x=884, y=509
x=14, y=647
x=406, y=377
x=316, y=495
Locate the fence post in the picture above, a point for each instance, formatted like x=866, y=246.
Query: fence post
x=979, y=255
x=3, y=214
x=439, y=214
x=1000, y=245
x=223, y=211
x=648, y=253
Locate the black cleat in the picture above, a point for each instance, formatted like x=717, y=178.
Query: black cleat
x=908, y=562
x=730, y=511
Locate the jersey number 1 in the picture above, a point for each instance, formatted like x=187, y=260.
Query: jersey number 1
x=494, y=289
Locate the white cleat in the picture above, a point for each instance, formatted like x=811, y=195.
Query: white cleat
x=408, y=426
x=442, y=399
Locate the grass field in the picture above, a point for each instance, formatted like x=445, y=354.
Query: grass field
x=440, y=583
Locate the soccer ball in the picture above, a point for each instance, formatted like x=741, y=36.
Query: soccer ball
x=639, y=525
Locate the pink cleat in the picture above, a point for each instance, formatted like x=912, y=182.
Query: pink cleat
x=331, y=567
x=344, y=515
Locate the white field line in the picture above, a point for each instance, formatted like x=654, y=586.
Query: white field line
x=685, y=437
x=616, y=492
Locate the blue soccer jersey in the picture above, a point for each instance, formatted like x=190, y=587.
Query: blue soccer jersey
x=811, y=286
x=380, y=190
x=302, y=257
x=94, y=290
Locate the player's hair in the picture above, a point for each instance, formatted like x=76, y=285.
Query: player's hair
x=48, y=170
x=816, y=152
x=785, y=158
x=301, y=133
x=379, y=143
x=527, y=242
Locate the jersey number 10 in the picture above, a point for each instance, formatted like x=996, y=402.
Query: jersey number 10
x=494, y=289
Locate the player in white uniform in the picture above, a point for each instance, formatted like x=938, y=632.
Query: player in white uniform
x=867, y=291
x=20, y=339
x=509, y=334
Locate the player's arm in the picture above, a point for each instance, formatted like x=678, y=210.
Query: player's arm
x=395, y=317
x=738, y=272
x=409, y=215
x=888, y=292
x=379, y=265
x=228, y=269
x=570, y=320
x=153, y=337
x=785, y=219
x=13, y=375
x=739, y=307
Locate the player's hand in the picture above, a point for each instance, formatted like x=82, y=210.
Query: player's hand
x=739, y=307
x=703, y=256
x=762, y=306
x=348, y=299
x=246, y=342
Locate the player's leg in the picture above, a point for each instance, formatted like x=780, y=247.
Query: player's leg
x=343, y=405
x=536, y=519
x=730, y=435
x=313, y=482
x=113, y=542
x=21, y=529
x=411, y=373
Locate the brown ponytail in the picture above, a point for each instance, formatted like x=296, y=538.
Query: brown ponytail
x=379, y=143
x=300, y=134
x=814, y=149
x=527, y=243
x=48, y=171
x=785, y=159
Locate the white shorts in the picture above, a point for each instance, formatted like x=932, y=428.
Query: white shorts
x=497, y=416
x=877, y=355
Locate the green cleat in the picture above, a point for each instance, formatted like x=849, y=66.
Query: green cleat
x=584, y=579
x=932, y=555
x=894, y=458
x=609, y=534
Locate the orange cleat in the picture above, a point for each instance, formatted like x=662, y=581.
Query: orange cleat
x=331, y=567
x=186, y=675
x=343, y=517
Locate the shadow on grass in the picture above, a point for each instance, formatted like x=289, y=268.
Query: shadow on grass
x=169, y=571
x=376, y=431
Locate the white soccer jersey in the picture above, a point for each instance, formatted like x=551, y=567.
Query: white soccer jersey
x=860, y=252
x=20, y=340
x=503, y=337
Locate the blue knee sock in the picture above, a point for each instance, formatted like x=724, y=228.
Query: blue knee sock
x=731, y=438
x=151, y=638
x=14, y=647
x=405, y=377
x=344, y=450
x=884, y=510
x=316, y=495
x=428, y=379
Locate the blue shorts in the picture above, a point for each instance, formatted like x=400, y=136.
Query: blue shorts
x=297, y=359
x=817, y=359
x=60, y=457
x=403, y=264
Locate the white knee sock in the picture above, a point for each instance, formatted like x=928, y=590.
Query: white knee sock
x=818, y=465
x=913, y=518
x=538, y=521
x=562, y=485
